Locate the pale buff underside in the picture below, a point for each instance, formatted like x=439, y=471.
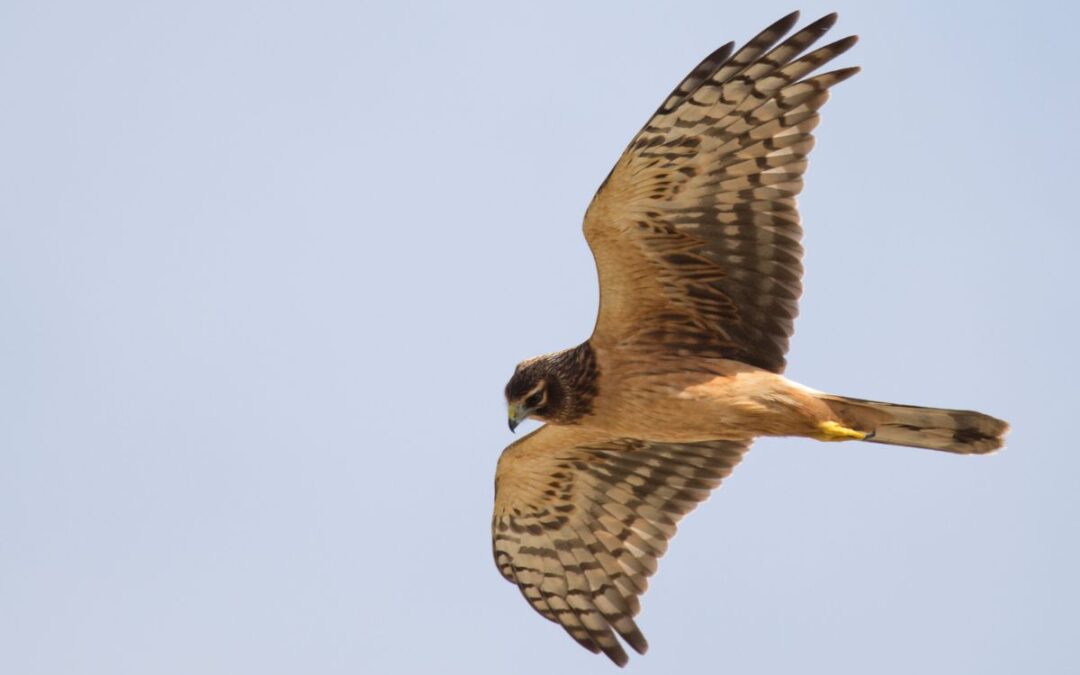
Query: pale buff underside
x=698, y=400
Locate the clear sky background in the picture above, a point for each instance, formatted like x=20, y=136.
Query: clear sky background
x=265, y=268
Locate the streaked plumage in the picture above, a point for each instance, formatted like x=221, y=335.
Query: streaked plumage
x=696, y=235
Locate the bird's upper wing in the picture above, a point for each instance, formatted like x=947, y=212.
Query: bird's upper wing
x=581, y=520
x=695, y=231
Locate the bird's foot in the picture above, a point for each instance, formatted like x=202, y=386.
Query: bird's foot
x=834, y=431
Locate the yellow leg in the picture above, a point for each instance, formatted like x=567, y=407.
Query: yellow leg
x=834, y=431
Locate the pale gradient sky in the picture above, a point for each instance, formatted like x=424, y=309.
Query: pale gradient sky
x=265, y=268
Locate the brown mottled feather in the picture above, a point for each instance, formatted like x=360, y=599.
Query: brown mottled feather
x=581, y=520
x=695, y=231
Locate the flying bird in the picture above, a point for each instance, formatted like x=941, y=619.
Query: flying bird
x=695, y=233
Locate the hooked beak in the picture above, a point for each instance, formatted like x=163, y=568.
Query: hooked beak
x=515, y=415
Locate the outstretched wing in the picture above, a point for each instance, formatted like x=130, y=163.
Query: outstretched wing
x=695, y=231
x=580, y=523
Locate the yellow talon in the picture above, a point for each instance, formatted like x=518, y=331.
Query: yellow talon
x=834, y=431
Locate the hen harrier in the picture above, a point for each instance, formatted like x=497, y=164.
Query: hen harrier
x=696, y=238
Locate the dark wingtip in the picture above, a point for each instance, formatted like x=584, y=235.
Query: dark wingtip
x=617, y=654
x=784, y=24
x=845, y=73
x=824, y=23
x=635, y=639
x=722, y=52
x=844, y=44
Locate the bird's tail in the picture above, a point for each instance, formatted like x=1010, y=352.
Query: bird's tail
x=961, y=431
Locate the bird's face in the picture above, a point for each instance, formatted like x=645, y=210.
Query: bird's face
x=530, y=393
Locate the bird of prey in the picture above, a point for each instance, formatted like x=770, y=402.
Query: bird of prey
x=696, y=234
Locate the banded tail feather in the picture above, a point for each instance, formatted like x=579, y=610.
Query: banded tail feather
x=963, y=432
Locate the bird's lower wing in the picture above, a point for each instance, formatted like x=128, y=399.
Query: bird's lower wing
x=581, y=521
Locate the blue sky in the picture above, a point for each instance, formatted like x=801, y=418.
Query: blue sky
x=265, y=268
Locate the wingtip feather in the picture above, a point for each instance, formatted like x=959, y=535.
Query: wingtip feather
x=824, y=23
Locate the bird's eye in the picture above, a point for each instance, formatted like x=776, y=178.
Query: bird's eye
x=534, y=400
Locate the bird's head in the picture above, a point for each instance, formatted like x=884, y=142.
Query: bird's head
x=535, y=390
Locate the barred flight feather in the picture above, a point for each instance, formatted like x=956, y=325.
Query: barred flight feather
x=580, y=530
x=698, y=217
